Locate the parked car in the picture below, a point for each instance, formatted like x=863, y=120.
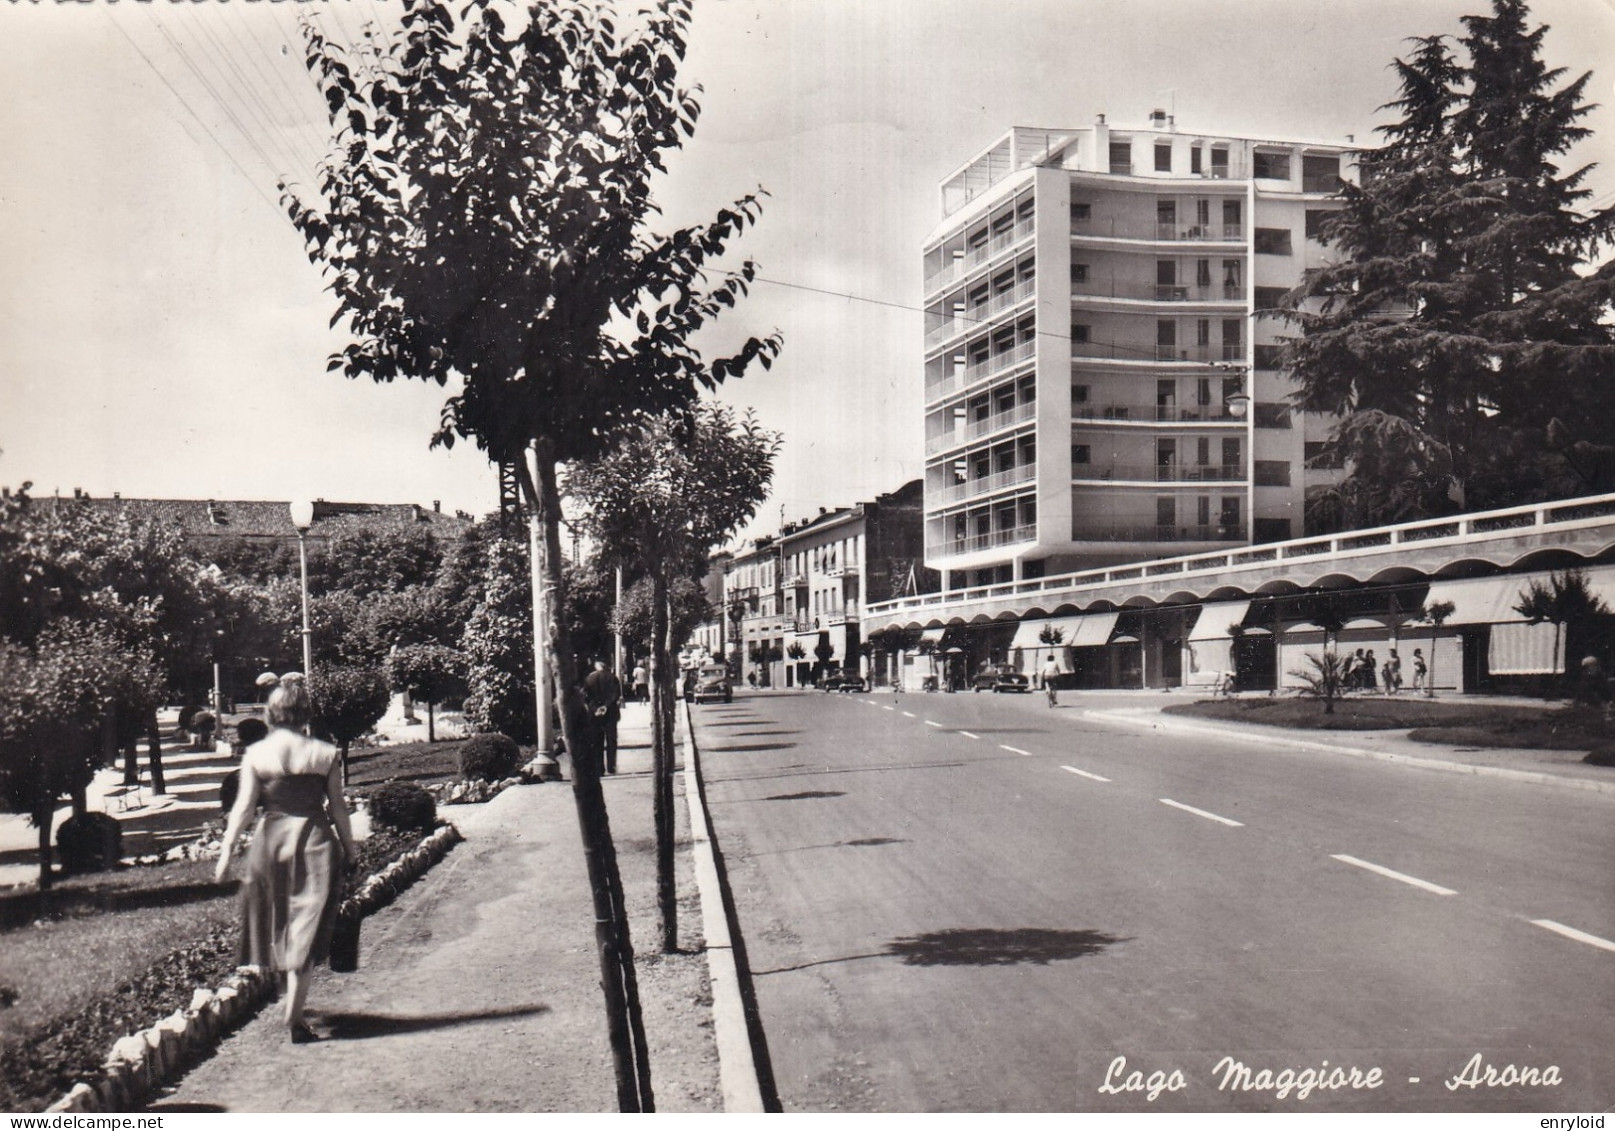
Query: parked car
x=712, y=682
x=1000, y=679
x=844, y=681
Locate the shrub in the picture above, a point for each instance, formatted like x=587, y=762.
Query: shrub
x=489, y=757
x=91, y=843
x=404, y=807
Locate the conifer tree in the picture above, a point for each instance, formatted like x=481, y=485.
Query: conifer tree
x=1460, y=334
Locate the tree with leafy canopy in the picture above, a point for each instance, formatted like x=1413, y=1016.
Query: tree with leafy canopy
x=348, y=701
x=659, y=503
x=482, y=221
x=1462, y=335
x=498, y=645
x=431, y=672
x=1564, y=600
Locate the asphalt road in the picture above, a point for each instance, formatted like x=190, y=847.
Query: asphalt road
x=975, y=903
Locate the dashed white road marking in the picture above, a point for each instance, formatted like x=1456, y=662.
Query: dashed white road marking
x=1201, y=813
x=888, y=706
x=1082, y=773
x=908, y=714
x=929, y=723
x=1014, y=750
x=1425, y=885
x=967, y=734
x=1572, y=933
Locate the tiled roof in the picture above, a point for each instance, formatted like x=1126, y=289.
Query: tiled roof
x=254, y=519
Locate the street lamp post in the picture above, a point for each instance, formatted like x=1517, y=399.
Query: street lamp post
x=303, y=518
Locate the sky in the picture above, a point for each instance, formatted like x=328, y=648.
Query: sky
x=163, y=334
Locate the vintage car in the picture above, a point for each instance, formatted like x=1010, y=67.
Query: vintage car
x=712, y=683
x=843, y=681
x=999, y=679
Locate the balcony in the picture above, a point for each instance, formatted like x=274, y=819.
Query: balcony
x=971, y=543
x=973, y=429
x=1228, y=351
x=976, y=256
x=849, y=615
x=983, y=486
x=1218, y=533
x=1321, y=182
x=981, y=370
x=1158, y=232
x=1159, y=473
x=1155, y=413
x=1156, y=354
x=973, y=320
x=842, y=571
x=1159, y=292
x=795, y=579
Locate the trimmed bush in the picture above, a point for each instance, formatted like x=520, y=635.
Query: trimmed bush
x=403, y=806
x=91, y=843
x=489, y=757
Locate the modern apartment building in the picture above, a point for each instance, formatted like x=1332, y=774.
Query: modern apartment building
x=1099, y=387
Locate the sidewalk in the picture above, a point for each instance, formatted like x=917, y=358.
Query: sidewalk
x=478, y=990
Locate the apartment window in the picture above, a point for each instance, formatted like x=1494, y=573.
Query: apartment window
x=1233, y=330
x=1202, y=510
x=1166, y=511
x=1231, y=284
x=1229, y=518
x=1202, y=451
x=1166, y=272
x=1003, y=399
x=1270, y=166
x=1272, y=241
x=1270, y=530
x=1272, y=415
x=1270, y=298
x=1219, y=161
x=1202, y=272
x=1028, y=513
x=1269, y=356
x=1231, y=214
x=1121, y=156
x=1163, y=157
x=1081, y=455
x=1316, y=219
x=1079, y=394
x=1166, y=214
x=1081, y=212
x=1202, y=332
x=1320, y=455
x=1079, y=272
x=1166, y=338
x=1272, y=473
x=1230, y=452
x=1202, y=391
x=1079, y=332
x=1320, y=173
x=1026, y=454
x=1196, y=161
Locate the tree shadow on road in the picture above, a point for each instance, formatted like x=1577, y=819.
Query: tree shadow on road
x=806, y=794
x=363, y=1026
x=753, y=748
x=982, y=946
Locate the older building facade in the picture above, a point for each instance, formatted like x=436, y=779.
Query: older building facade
x=1098, y=385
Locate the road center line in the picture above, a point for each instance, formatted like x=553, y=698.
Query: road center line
x=1200, y=813
x=929, y=723
x=967, y=734
x=1013, y=750
x=1082, y=773
x=1386, y=872
x=1572, y=933
x=908, y=714
x=888, y=706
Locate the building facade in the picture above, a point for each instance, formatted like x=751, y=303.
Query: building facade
x=1099, y=386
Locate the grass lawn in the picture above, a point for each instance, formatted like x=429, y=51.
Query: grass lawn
x=1462, y=723
x=425, y=763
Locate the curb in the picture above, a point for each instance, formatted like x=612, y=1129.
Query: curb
x=140, y=1064
x=1530, y=777
x=738, y=1075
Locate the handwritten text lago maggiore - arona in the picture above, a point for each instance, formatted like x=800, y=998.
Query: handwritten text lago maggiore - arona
x=1231, y=1075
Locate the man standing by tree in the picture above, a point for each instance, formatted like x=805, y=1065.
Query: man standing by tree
x=602, y=691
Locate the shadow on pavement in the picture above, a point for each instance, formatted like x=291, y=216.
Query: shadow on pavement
x=363, y=1026
x=806, y=795
x=992, y=946
x=754, y=748
x=26, y=907
x=815, y=772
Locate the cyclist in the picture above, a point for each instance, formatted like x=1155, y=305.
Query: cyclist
x=1050, y=673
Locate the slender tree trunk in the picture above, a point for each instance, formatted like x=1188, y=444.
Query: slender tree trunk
x=44, y=814
x=131, y=763
x=625, y=1027
x=154, y=756
x=431, y=729
x=662, y=759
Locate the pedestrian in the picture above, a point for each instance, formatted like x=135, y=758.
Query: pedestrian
x=1050, y=674
x=292, y=884
x=641, y=679
x=602, y=691
x=249, y=732
x=1419, y=670
x=1354, y=669
x=1393, y=673
x=1369, y=666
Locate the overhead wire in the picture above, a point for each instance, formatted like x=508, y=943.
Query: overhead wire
x=252, y=103
x=294, y=110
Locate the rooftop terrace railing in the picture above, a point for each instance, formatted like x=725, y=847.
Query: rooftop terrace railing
x=1565, y=515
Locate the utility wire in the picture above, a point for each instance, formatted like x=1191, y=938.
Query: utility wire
x=199, y=121
x=232, y=77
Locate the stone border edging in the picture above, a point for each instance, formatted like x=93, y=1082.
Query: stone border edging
x=140, y=1064
x=738, y=1076
x=1532, y=777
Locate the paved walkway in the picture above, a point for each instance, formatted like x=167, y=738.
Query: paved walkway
x=478, y=990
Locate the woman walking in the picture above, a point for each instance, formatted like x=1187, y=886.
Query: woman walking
x=292, y=886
